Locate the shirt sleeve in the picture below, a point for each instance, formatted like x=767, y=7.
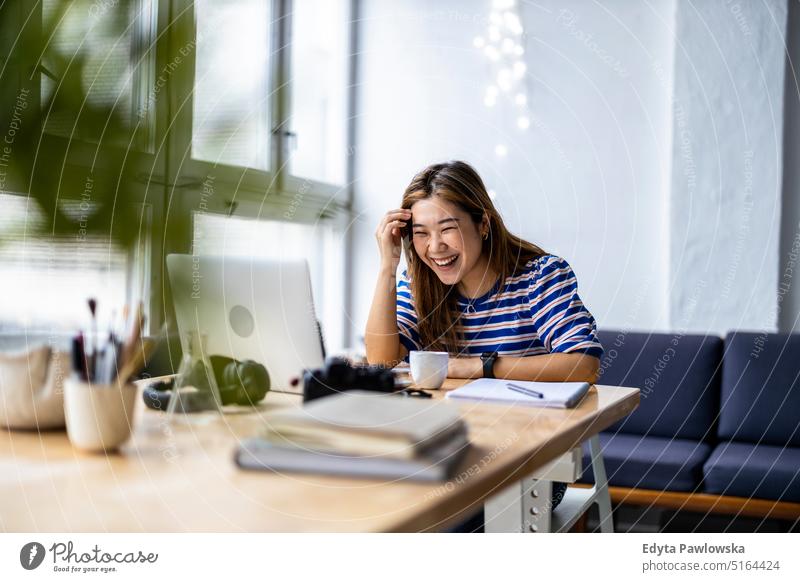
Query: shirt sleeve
x=562, y=321
x=406, y=315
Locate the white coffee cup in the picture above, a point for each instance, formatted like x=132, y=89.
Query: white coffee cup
x=99, y=416
x=428, y=369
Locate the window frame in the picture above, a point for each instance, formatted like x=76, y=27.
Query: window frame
x=257, y=194
x=251, y=184
x=171, y=181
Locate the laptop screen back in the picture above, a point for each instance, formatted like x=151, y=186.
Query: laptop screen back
x=254, y=309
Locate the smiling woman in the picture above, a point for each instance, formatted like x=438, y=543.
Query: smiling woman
x=501, y=306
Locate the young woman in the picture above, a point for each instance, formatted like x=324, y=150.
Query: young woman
x=501, y=306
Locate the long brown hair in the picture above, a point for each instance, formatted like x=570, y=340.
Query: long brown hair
x=436, y=304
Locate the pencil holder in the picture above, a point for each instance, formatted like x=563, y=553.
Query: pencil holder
x=99, y=416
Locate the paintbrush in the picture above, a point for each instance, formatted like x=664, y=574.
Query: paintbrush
x=133, y=336
x=137, y=360
x=93, y=360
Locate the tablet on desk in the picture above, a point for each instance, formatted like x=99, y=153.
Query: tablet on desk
x=250, y=309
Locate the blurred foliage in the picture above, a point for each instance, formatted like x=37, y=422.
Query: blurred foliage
x=93, y=160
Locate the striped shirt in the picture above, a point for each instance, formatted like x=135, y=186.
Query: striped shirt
x=536, y=312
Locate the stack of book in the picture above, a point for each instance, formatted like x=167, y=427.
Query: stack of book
x=361, y=434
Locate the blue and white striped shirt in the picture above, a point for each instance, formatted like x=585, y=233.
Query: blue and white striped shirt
x=538, y=311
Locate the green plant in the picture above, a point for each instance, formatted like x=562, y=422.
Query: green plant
x=98, y=151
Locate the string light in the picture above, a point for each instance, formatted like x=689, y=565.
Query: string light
x=512, y=22
x=503, y=4
x=504, y=79
x=502, y=45
x=500, y=150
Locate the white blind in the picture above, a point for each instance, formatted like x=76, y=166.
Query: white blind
x=47, y=280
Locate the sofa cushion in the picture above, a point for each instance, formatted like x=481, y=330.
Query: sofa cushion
x=759, y=471
x=649, y=462
x=761, y=389
x=679, y=379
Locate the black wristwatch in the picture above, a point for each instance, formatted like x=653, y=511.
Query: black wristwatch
x=488, y=359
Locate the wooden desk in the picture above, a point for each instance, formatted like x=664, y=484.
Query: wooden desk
x=181, y=477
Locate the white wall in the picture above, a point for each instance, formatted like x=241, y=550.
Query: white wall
x=727, y=164
x=588, y=180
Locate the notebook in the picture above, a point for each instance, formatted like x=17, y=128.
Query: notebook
x=365, y=423
x=544, y=394
x=361, y=434
x=436, y=464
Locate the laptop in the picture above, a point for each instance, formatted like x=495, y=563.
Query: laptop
x=250, y=309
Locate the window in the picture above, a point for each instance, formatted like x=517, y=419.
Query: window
x=231, y=93
x=268, y=86
x=253, y=93
x=318, y=122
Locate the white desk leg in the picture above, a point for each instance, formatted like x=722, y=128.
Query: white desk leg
x=526, y=506
x=602, y=497
x=537, y=505
x=520, y=508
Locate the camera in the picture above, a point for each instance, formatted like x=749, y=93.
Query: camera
x=339, y=375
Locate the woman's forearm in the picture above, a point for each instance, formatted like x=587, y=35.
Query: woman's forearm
x=544, y=368
x=549, y=368
x=381, y=337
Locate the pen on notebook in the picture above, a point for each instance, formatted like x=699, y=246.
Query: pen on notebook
x=523, y=390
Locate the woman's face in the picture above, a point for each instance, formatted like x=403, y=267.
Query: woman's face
x=446, y=239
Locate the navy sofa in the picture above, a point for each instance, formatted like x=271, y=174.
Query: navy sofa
x=718, y=422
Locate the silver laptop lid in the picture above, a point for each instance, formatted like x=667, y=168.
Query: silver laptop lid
x=254, y=309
